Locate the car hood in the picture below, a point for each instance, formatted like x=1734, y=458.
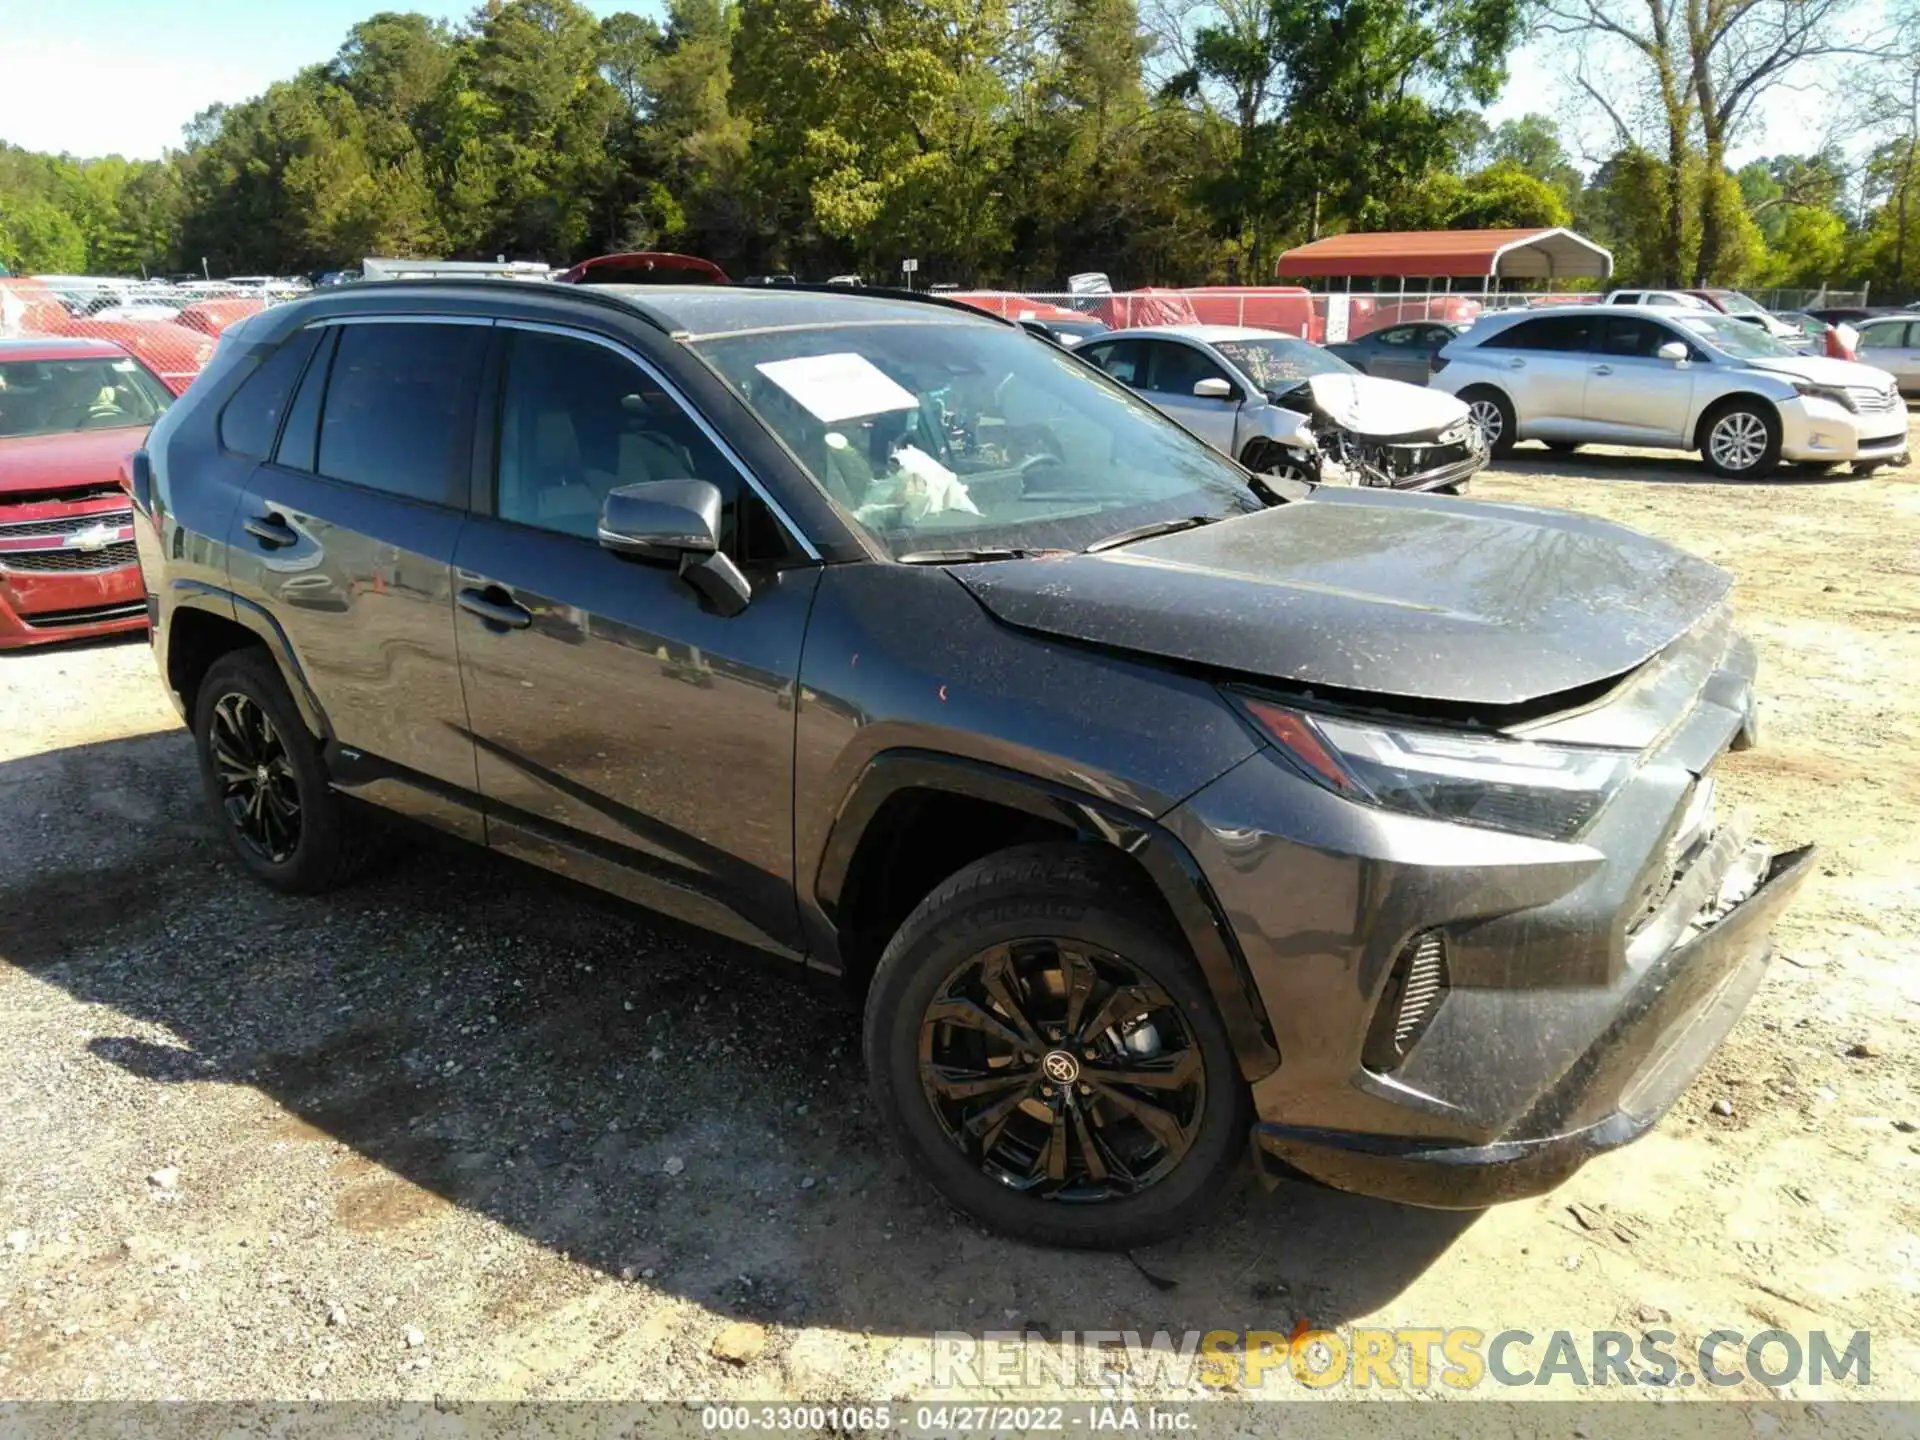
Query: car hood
x=1391, y=595
x=1824, y=370
x=80, y=457
x=1368, y=405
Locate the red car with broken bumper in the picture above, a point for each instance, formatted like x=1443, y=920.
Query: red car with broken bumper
x=71, y=413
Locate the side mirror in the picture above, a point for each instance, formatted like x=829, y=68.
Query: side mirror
x=1673, y=350
x=676, y=520
x=1040, y=328
x=1213, y=388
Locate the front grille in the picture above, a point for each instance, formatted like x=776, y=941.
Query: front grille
x=62, y=524
x=86, y=615
x=68, y=562
x=1869, y=401
x=1414, y=991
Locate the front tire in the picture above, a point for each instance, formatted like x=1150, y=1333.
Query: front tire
x=261, y=774
x=1493, y=413
x=1741, y=441
x=1046, y=1053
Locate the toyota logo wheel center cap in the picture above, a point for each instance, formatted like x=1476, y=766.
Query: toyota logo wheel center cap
x=1060, y=1067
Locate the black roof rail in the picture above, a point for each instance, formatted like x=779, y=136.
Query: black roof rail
x=590, y=294
x=631, y=300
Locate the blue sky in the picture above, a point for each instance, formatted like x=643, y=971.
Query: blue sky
x=98, y=77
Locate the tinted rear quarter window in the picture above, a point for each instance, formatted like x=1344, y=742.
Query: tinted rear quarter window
x=398, y=415
x=251, y=420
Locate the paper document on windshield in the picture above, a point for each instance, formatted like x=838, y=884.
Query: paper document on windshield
x=838, y=387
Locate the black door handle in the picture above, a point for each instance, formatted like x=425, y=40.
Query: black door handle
x=501, y=612
x=271, y=531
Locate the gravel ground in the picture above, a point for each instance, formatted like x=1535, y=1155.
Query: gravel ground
x=456, y=1133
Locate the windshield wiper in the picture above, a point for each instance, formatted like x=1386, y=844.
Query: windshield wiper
x=962, y=557
x=1144, y=532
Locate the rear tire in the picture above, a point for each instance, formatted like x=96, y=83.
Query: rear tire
x=1741, y=440
x=1493, y=413
x=1010, y=1096
x=261, y=774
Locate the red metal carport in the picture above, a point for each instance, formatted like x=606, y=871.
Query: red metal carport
x=1489, y=256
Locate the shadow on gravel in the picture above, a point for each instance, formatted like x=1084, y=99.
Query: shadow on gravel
x=615, y=1087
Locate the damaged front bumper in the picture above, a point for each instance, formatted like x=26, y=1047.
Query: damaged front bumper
x=1451, y=476
x=1668, y=1021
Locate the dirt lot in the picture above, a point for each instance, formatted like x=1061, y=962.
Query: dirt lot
x=454, y=1133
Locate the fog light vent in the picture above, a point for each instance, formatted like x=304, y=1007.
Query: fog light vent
x=1414, y=991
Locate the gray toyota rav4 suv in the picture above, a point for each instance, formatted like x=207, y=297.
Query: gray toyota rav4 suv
x=1147, y=805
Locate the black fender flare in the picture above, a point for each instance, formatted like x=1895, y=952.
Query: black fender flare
x=1173, y=870
x=194, y=595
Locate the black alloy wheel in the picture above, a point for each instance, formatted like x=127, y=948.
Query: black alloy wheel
x=260, y=791
x=261, y=773
x=1043, y=1046
x=1061, y=1070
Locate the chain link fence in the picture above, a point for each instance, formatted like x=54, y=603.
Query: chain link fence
x=171, y=329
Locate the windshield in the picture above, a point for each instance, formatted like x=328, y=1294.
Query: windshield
x=53, y=397
x=1278, y=363
x=1735, y=337
x=948, y=437
x=1734, y=303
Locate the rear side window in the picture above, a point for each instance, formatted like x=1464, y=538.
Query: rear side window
x=398, y=415
x=1549, y=332
x=1123, y=360
x=251, y=421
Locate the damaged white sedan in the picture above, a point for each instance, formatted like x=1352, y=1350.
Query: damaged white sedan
x=1283, y=406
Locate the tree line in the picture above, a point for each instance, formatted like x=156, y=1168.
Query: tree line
x=1012, y=142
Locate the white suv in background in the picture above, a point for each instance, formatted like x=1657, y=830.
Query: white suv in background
x=1671, y=379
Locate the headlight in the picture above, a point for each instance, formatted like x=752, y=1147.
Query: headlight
x=1552, y=791
x=1825, y=392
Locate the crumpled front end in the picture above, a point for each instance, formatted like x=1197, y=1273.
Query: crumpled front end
x=1387, y=434
x=1464, y=1013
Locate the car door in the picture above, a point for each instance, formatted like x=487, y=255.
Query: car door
x=1893, y=346
x=1633, y=395
x=628, y=735
x=1542, y=365
x=1173, y=368
x=344, y=539
x=1396, y=354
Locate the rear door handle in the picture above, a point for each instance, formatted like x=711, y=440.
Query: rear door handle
x=1516, y=363
x=494, y=610
x=271, y=531
x=1603, y=369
